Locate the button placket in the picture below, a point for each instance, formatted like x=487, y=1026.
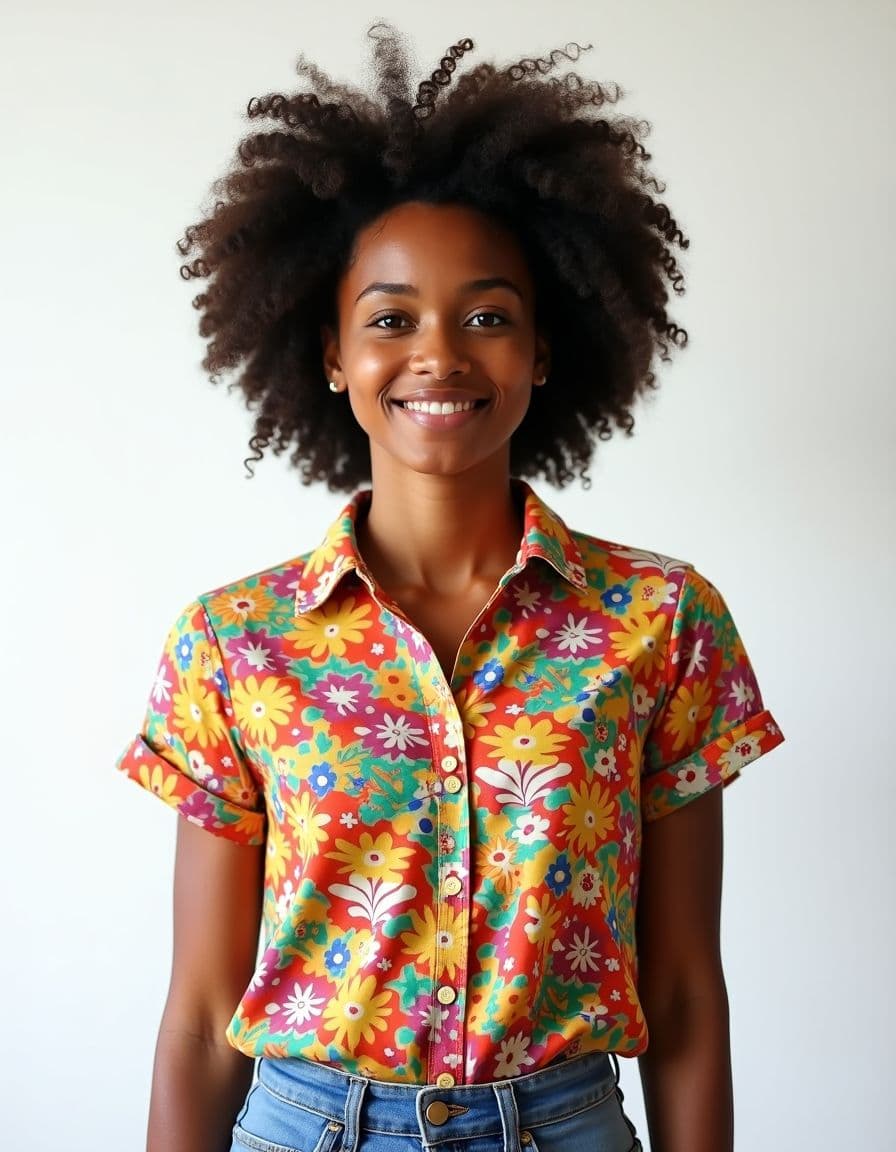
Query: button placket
x=453, y=900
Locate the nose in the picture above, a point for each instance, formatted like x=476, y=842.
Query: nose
x=438, y=352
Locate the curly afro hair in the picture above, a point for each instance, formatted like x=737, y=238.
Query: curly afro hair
x=534, y=150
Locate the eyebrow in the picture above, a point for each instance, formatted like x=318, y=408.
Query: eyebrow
x=482, y=285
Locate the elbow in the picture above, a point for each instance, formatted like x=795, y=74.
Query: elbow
x=686, y=1011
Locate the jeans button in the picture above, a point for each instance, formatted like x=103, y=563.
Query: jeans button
x=437, y=1112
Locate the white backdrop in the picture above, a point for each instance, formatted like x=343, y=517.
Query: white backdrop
x=124, y=496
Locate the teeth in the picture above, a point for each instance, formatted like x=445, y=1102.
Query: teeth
x=435, y=408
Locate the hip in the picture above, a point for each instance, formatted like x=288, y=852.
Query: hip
x=297, y=1105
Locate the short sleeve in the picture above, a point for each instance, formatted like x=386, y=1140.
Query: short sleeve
x=188, y=751
x=710, y=720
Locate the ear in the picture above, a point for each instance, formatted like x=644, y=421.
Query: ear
x=542, y=366
x=332, y=361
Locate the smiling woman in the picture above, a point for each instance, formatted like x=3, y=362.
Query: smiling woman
x=461, y=763
x=436, y=333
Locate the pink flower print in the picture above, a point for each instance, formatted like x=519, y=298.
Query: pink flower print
x=257, y=652
x=740, y=692
x=342, y=695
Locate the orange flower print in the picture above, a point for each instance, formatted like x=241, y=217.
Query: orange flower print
x=241, y=603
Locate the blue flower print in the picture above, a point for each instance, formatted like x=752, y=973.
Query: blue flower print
x=489, y=675
x=559, y=875
x=337, y=958
x=322, y=778
x=184, y=651
x=616, y=599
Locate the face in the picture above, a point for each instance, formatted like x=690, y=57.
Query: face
x=436, y=342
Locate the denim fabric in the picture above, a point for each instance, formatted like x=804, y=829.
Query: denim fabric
x=299, y=1106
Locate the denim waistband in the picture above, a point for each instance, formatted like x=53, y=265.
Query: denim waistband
x=466, y=1110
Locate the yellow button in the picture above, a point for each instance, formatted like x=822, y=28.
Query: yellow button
x=449, y=763
x=453, y=784
x=446, y=995
x=452, y=886
x=444, y=1080
x=437, y=1112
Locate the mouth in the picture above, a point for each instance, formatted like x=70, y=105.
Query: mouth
x=439, y=408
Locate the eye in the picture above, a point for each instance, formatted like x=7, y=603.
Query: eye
x=380, y=321
x=494, y=319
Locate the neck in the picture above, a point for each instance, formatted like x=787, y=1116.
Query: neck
x=441, y=535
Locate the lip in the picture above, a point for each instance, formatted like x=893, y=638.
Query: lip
x=438, y=421
x=437, y=396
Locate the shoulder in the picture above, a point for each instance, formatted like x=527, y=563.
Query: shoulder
x=608, y=562
x=266, y=596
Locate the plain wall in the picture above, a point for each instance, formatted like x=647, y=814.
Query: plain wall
x=765, y=459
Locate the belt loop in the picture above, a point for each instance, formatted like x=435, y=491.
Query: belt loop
x=510, y=1120
x=353, y=1099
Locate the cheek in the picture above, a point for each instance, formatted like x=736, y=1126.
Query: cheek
x=371, y=363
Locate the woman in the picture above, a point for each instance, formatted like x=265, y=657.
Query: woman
x=462, y=764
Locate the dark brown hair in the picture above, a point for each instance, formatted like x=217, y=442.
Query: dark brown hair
x=534, y=150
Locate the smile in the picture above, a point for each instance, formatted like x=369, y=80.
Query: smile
x=439, y=408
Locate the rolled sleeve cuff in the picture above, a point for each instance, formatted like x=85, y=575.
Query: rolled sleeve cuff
x=716, y=763
x=188, y=798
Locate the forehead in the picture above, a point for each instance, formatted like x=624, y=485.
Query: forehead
x=415, y=240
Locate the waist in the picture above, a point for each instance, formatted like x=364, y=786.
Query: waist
x=473, y=1109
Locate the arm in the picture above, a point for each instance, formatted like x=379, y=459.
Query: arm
x=686, y=1070
x=199, y=1080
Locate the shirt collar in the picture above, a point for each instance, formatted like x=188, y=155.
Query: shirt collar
x=544, y=536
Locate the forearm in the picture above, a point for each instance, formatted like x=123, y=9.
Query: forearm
x=198, y=1088
x=686, y=1074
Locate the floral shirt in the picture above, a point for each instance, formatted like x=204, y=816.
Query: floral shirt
x=451, y=869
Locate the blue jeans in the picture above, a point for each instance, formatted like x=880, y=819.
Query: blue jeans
x=300, y=1106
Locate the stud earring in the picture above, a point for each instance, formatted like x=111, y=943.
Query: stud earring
x=539, y=380
x=334, y=387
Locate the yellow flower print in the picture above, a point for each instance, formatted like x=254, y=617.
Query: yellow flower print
x=647, y=594
x=631, y=995
x=687, y=711
x=308, y=824
x=155, y=781
x=448, y=939
x=525, y=741
x=261, y=707
x=544, y=918
x=241, y=603
x=197, y=714
x=330, y=628
x=474, y=709
x=376, y=859
x=325, y=553
x=397, y=685
x=589, y=816
x=356, y=1012
x=277, y=853
x=508, y=1003
x=639, y=642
